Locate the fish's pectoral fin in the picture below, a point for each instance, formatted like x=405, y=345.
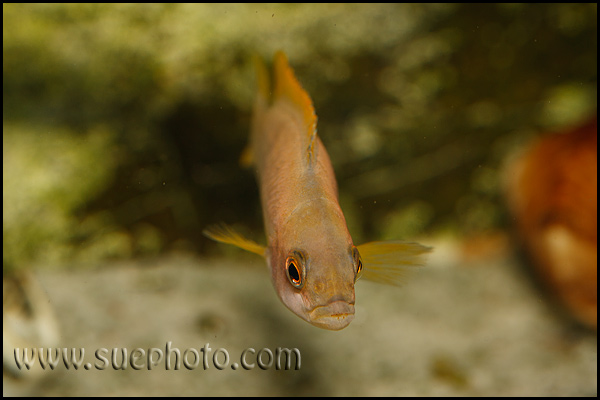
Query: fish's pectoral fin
x=225, y=234
x=389, y=261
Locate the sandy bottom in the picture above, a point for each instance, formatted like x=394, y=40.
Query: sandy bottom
x=452, y=329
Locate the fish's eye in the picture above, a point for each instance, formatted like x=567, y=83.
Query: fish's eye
x=294, y=268
x=358, y=263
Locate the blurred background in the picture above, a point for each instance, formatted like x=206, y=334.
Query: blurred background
x=122, y=130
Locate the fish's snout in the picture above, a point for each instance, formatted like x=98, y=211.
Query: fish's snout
x=333, y=316
x=332, y=302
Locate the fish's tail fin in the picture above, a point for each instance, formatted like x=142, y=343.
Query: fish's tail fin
x=389, y=261
x=261, y=103
x=263, y=81
x=288, y=88
x=282, y=87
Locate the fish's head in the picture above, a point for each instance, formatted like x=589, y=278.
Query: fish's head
x=314, y=266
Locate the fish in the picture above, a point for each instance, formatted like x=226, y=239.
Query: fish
x=313, y=262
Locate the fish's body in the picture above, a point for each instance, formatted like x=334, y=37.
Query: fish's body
x=310, y=253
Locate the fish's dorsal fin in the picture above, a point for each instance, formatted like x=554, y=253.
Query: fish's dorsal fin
x=389, y=261
x=225, y=234
x=288, y=87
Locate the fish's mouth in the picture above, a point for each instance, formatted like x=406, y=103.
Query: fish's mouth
x=333, y=316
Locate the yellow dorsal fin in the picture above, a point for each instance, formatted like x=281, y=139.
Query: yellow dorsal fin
x=288, y=87
x=225, y=234
x=389, y=261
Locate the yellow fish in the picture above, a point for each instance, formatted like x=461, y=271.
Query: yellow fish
x=313, y=262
